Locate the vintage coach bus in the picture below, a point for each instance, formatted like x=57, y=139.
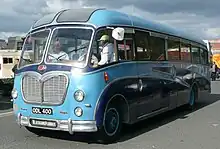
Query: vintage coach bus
x=79, y=94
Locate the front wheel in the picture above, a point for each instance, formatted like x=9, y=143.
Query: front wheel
x=111, y=128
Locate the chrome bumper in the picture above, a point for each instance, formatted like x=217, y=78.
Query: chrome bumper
x=62, y=125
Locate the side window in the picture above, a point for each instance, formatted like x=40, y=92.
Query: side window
x=142, y=45
x=102, y=49
x=173, y=51
x=149, y=47
x=157, y=46
x=126, y=48
x=195, y=55
x=185, y=52
x=204, y=56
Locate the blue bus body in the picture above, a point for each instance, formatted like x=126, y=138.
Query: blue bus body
x=141, y=89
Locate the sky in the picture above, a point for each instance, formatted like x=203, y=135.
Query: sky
x=195, y=16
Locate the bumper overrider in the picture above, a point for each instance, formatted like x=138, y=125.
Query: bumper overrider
x=69, y=125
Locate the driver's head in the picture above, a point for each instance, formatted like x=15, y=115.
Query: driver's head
x=57, y=46
x=104, y=39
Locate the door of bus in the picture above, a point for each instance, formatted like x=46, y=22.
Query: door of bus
x=150, y=72
x=126, y=55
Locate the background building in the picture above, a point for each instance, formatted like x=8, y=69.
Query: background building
x=15, y=43
x=215, y=49
x=3, y=44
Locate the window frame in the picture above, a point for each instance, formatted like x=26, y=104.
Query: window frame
x=151, y=34
x=68, y=27
x=8, y=60
x=129, y=30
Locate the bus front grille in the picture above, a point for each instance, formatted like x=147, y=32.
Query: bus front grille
x=51, y=90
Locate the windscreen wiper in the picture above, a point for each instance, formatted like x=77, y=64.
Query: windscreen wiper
x=71, y=52
x=26, y=59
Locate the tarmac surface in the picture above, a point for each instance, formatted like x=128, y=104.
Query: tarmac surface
x=177, y=129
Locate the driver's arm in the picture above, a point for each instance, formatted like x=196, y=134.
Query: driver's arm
x=65, y=56
x=104, y=56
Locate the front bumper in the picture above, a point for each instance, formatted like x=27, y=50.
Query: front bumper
x=69, y=125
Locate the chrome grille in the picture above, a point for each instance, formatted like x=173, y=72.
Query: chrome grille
x=31, y=89
x=54, y=89
x=51, y=90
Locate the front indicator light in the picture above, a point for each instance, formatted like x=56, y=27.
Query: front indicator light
x=78, y=111
x=14, y=93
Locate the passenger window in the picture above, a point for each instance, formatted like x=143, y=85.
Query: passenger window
x=126, y=48
x=204, y=56
x=173, y=51
x=185, y=53
x=195, y=55
x=149, y=47
x=102, y=50
x=142, y=45
x=157, y=46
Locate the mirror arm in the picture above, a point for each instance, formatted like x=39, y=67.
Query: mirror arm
x=115, y=49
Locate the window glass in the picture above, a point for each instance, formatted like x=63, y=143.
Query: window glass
x=185, y=53
x=69, y=45
x=173, y=52
x=149, y=47
x=103, y=50
x=34, y=46
x=204, y=56
x=195, y=55
x=126, y=48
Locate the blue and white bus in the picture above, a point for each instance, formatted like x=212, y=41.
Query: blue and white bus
x=64, y=82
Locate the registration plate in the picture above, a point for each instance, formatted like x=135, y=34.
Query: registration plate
x=46, y=111
x=43, y=123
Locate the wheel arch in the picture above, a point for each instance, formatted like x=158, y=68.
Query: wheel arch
x=105, y=101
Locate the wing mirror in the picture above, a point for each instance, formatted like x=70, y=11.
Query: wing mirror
x=118, y=33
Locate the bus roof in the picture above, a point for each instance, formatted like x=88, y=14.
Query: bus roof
x=106, y=17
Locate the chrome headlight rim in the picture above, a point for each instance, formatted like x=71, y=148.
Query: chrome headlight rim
x=14, y=93
x=80, y=111
x=79, y=95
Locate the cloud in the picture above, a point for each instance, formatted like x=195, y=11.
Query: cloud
x=5, y=35
x=195, y=16
x=198, y=7
x=18, y=16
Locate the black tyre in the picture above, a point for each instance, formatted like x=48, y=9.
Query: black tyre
x=112, y=124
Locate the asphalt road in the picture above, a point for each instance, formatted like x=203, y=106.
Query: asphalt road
x=178, y=129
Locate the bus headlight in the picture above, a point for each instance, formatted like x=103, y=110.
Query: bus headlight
x=78, y=111
x=14, y=93
x=79, y=95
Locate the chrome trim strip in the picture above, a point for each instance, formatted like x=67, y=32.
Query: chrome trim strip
x=69, y=125
x=148, y=114
x=19, y=119
x=62, y=23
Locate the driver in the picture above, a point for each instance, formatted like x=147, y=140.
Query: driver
x=58, y=54
x=107, y=50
